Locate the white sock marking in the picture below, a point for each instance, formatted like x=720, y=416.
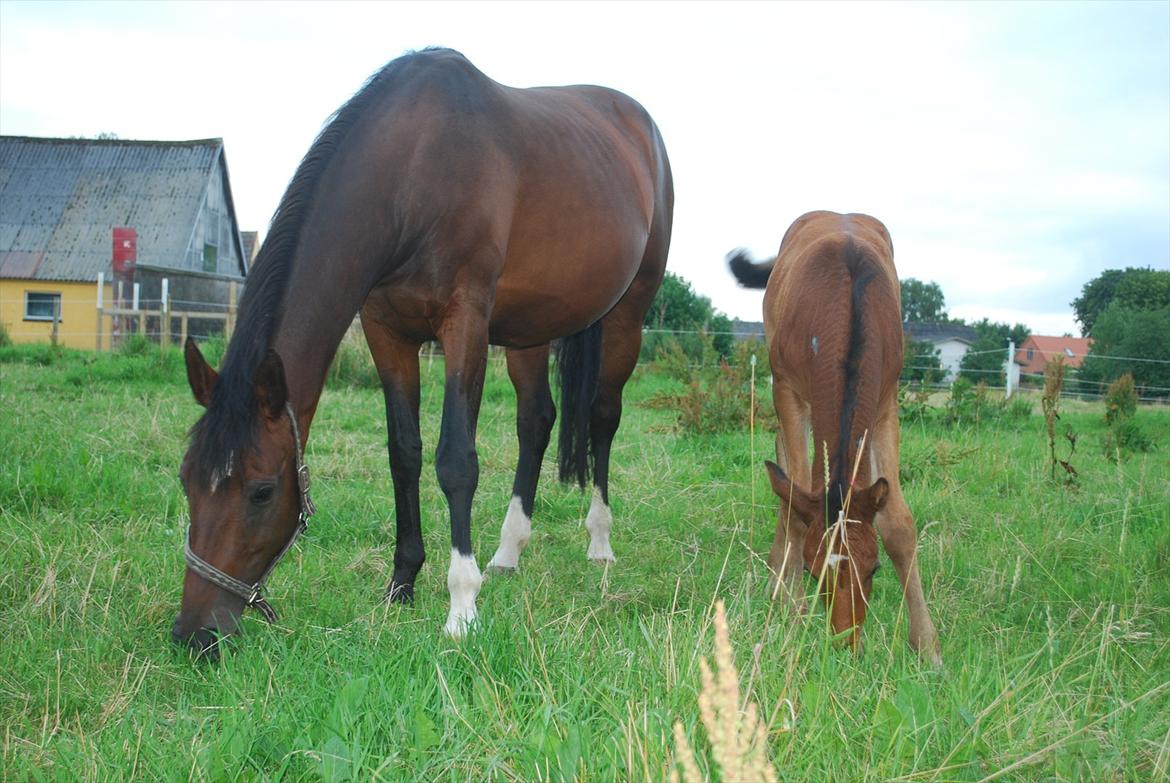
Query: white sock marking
x=598, y=523
x=514, y=535
x=463, y=581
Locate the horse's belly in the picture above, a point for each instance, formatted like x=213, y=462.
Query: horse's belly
x=525, y=315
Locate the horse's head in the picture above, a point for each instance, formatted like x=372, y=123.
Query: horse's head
x=243, y=504
x=843, y=554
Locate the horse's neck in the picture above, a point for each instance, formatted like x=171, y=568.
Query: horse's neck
x=319, y=307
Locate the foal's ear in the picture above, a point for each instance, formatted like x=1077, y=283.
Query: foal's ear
x=269, y=386
x=873, y=499
x=805, y=505
x=199, y=373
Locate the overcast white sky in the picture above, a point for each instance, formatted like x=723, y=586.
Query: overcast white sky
x=1014, y=150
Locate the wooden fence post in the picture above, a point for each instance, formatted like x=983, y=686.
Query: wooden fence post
x=100, y=294
x=183, y=330
x=139, y=314
x=164, y=317
x=229, y=323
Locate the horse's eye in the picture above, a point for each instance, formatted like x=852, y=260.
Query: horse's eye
x=262, y=494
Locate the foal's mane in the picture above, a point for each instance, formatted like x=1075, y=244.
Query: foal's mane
x=227, y=425
x=861, y=271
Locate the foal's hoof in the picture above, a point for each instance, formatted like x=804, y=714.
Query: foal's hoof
x=400, y=594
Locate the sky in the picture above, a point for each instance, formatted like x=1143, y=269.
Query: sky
x=1014, y=150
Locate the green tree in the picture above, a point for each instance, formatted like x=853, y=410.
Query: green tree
x=921, y=361
x=923, y=303
x=1137, y=341
x=677, y=310
x=987, y=356
x=1133, y=287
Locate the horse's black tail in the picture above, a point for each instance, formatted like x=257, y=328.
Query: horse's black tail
x=578, y=370
x=747, y=272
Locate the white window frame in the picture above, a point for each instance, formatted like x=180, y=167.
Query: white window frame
x=56, y=297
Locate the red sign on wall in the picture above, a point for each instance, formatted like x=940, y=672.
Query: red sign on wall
x=125, y=250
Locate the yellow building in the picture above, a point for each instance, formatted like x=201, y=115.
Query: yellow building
x=27, y=308
x=62, y=199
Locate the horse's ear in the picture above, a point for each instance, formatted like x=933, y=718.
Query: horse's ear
x=873, y=499
x=802, y=502
x=269, y=386
x=199, y=373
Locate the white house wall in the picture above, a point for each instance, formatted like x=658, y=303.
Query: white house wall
x=951, y=354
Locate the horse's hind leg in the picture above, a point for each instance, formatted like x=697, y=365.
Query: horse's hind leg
x=896, y=526
x=621, y=340
x=397, y=362
x=535, y=414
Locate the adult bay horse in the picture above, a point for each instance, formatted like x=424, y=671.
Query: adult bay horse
x=832, y=317
x=444, y=206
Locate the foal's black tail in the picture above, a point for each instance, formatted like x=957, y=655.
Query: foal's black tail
x=578, y=370
x=750, y=274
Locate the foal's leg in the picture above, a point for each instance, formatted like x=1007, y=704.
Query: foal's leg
x=786, y=559
x=535, y=414
x=397, y=361
x=464, y=340
x=896, y=526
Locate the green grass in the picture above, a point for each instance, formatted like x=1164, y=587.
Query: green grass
x=1053, y=605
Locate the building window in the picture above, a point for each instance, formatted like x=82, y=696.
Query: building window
x=41, y=306
x=1029, y=354
x=210, y=258
x=211, y=233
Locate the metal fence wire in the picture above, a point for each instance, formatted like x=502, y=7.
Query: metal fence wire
x=171, y=322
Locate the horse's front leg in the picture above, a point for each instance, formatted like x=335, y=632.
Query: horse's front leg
x=464, y=340
x=535, y=413
x=397, y=362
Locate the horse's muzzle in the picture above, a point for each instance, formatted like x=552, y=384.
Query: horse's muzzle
x=204, y=642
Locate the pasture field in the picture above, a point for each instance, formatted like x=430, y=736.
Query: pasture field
x=1053, y=606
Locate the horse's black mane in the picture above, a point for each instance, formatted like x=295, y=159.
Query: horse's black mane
x=227, y=425
x=861, y=271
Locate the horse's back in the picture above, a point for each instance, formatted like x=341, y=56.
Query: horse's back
x=543, y=200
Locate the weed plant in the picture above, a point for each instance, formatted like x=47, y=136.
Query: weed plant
x=713, y=394
x=1124, y=436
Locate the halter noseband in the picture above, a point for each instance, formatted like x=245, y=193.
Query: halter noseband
x=252, y=593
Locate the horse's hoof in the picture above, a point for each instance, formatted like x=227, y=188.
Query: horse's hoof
x=602, y=560
x=491, y=569
x=400, y=594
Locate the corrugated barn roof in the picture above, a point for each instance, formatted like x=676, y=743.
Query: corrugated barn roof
x=61, y=198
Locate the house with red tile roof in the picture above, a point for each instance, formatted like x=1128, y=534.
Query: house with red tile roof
x=1035, y=352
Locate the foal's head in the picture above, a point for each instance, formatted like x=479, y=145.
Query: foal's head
x=841, y=553
x=243, y=503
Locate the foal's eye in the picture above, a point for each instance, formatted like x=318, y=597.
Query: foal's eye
x=262, y=494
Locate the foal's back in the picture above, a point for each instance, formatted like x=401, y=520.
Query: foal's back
x=834, y=292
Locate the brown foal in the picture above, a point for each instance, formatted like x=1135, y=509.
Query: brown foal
x=832, y=316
